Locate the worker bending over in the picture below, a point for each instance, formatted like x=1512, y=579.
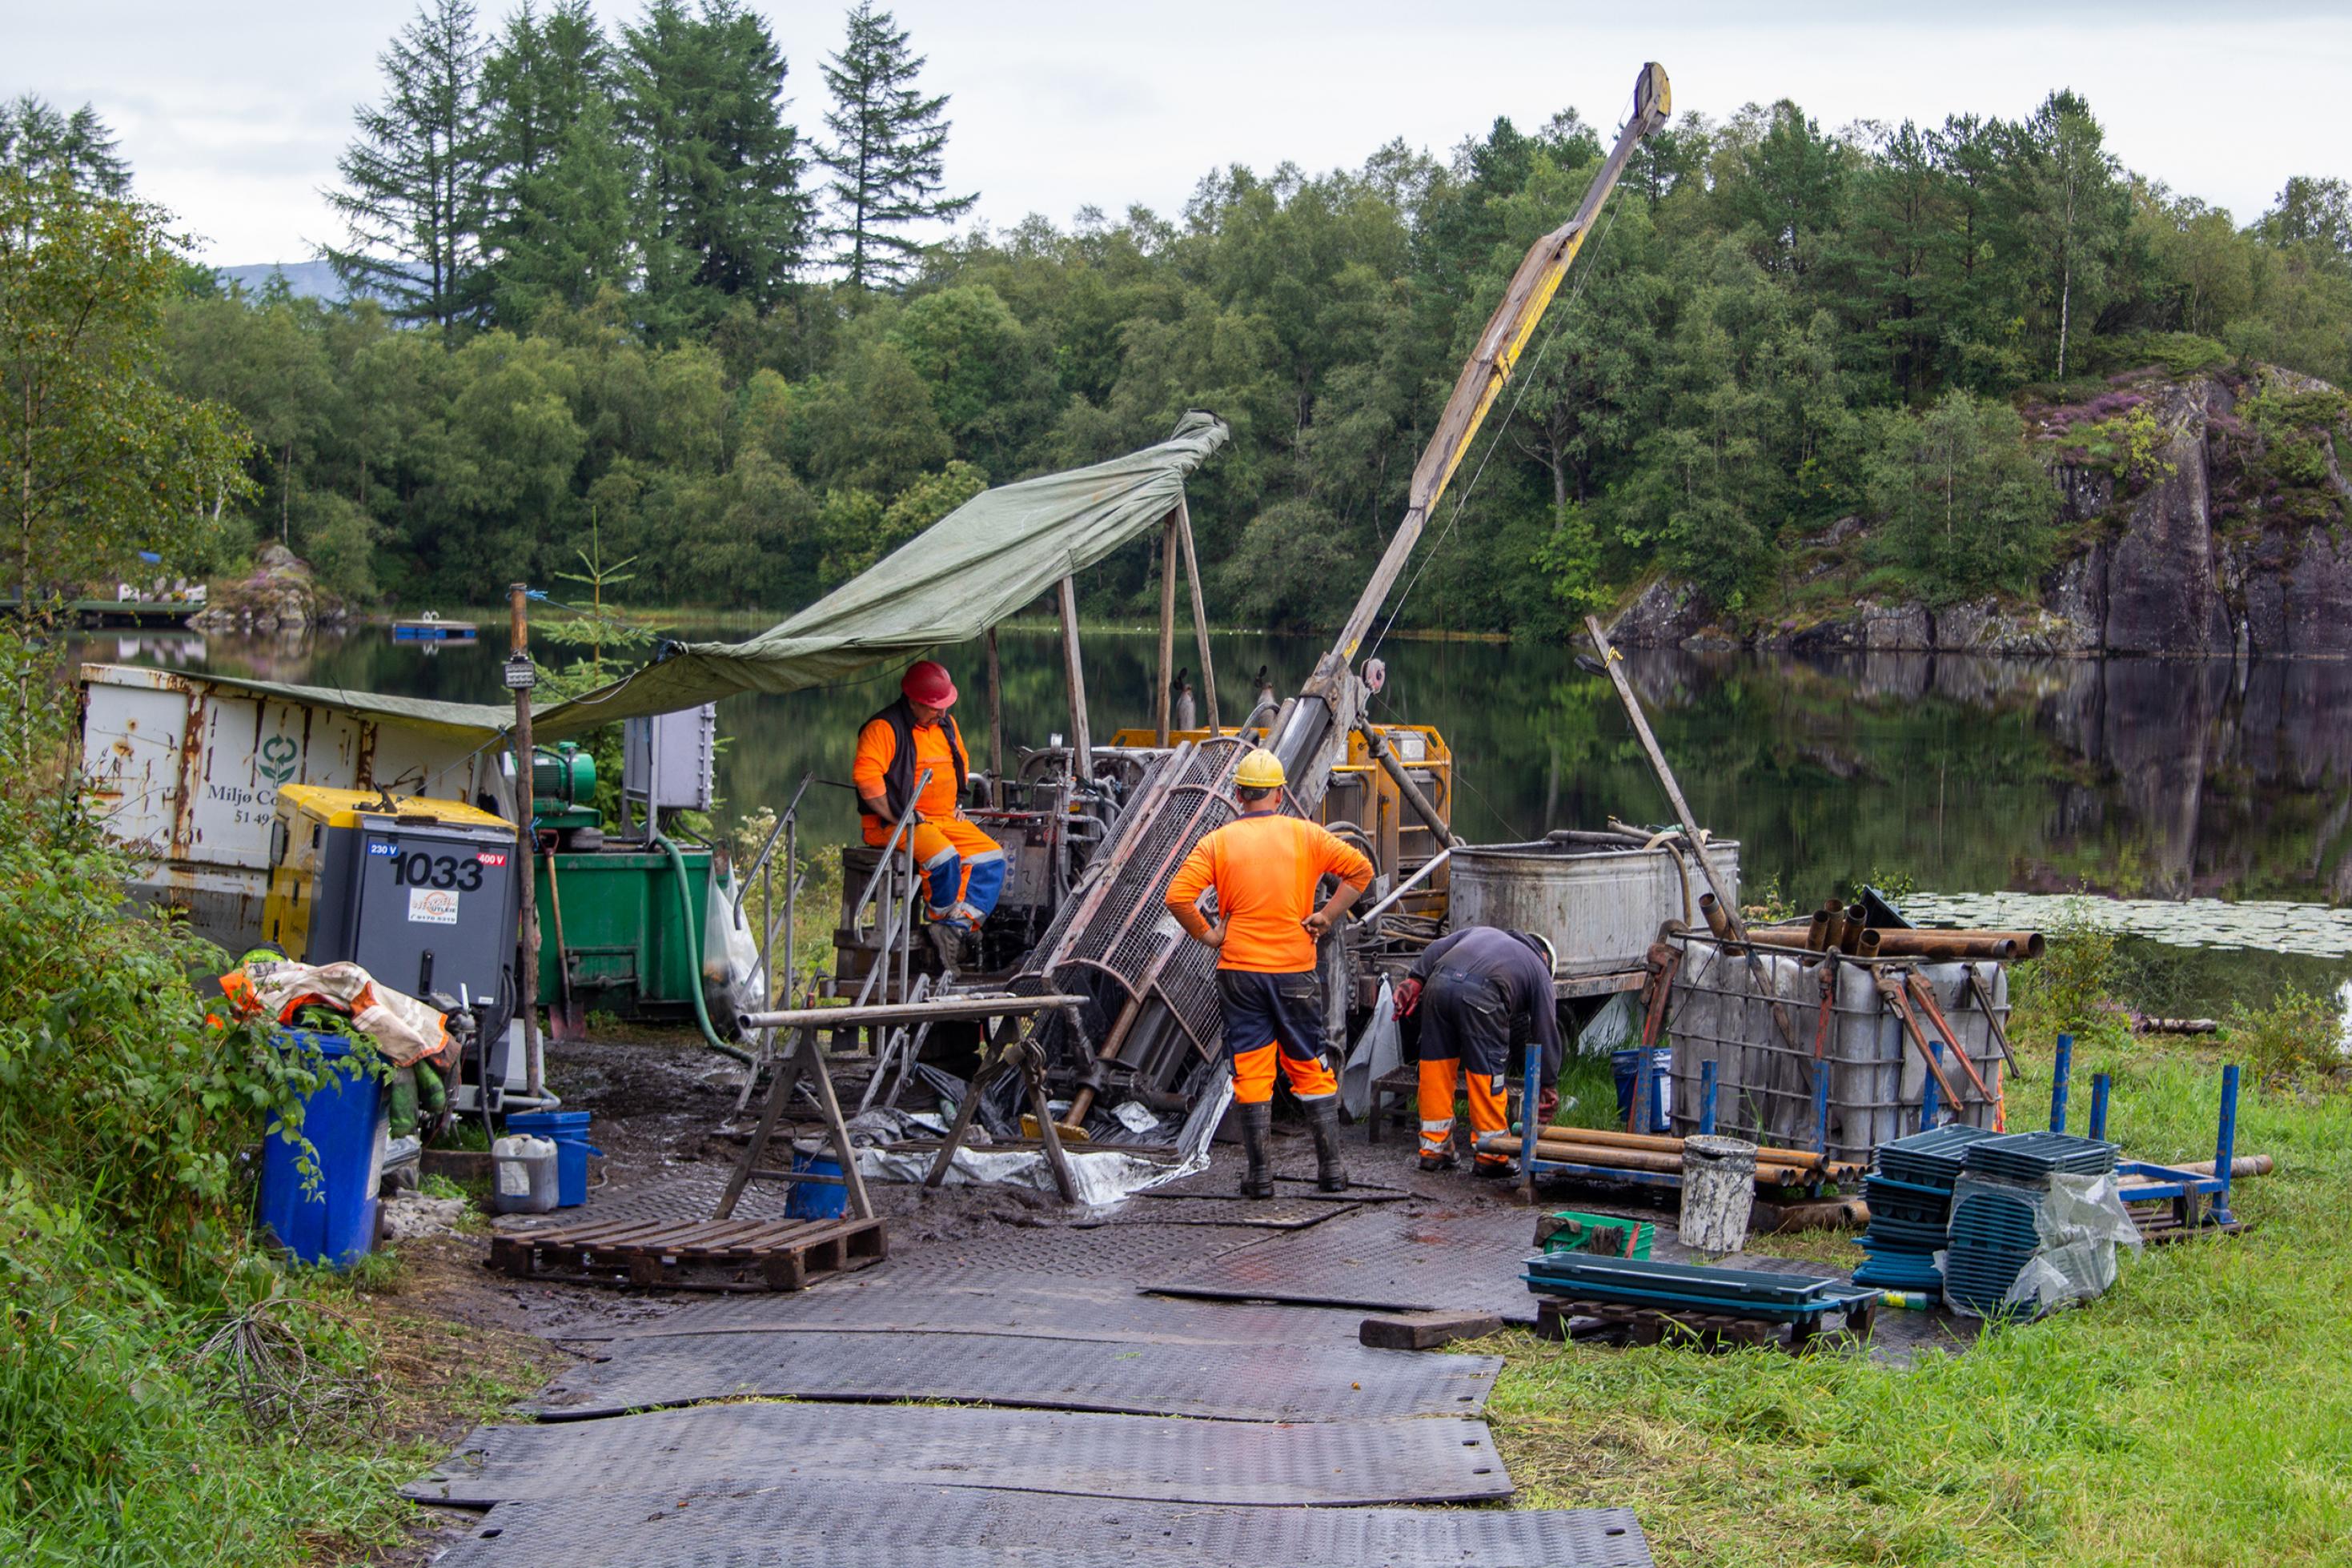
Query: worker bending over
x=963, y=868
x=1264, y=868
x=1482, y=993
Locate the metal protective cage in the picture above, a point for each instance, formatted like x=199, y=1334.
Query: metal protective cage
x=1853, y=1076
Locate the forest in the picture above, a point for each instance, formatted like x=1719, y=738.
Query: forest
x=605, y=286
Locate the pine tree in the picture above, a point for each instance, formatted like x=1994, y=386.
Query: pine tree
x=720, y=211
x=413, y=197
x=886, y=152
x=76, y=148
x=558, y=228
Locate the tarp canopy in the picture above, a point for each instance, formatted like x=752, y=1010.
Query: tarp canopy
x=987, y=559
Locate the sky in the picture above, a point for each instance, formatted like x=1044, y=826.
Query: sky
x=233, y=116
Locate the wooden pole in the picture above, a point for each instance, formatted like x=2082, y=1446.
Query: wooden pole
x=1613, y=662
x=1161, y=698
x=1082, y=750
x=1200, y=615
x=519, y=676
x=995, y=724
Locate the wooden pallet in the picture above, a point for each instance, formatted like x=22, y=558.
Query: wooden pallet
x=693, y=1255
x=1622, y=1323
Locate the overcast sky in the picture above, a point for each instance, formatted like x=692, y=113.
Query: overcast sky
x=233, y=116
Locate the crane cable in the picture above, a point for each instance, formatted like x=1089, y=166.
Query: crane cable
x=1461, y=497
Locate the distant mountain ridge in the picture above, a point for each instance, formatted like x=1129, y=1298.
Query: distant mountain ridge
x=308, y=279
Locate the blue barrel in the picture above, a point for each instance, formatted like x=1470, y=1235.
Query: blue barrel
x=816, y=1200
x=568, y=1130
x=1627, y=1065
x=334, y=1221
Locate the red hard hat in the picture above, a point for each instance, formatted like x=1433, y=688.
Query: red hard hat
x=927, y=683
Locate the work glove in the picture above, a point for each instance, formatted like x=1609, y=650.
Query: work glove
x=1408, y=997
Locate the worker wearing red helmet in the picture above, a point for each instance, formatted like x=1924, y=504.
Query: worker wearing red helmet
x=963, y=868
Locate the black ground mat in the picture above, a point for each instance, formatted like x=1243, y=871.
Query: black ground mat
x=716, y=1447
x=1220, y=1183
x=1410, y=1257
x=852, y=1524
x=1234, y=1382
x=1284, y=1211
x=1006, y=1304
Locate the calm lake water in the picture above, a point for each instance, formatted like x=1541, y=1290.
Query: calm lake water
x=2143, y=779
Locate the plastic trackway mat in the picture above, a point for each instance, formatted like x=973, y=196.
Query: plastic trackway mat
x=715, y=1448
x=1016, y=1304
x=1266, y=1382
x=1407, y=1257
x=851, y=1524
x=1287, y=1187
x=1284, y=1212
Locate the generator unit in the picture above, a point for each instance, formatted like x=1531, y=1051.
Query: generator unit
x=421, y=894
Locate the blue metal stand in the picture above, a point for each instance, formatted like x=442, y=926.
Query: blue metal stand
x=1707, y=1098
x=2100, y=1084
x=2189, y=1192
x=2058, y=1077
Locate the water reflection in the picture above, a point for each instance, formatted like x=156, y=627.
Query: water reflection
x=2141, y=778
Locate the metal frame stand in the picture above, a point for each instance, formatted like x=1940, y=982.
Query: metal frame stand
x=2199, y=1201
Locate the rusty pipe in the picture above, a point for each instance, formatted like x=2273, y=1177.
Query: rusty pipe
x=1857, y=921
x=1832, y=926
x=1711, y=909
x=1817, y=934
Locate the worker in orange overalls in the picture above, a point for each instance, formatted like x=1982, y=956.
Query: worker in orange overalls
x=1485, y=995
x=1264, y=869
x=963, y=868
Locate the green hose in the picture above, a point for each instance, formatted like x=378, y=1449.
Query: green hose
x=685, y=908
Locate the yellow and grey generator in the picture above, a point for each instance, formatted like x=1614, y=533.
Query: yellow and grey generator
x=419, y=892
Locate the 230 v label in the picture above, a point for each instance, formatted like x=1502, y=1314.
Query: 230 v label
x=417, y=869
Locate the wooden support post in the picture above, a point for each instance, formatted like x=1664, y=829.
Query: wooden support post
x=1200, y=615
x=1165, y=695
x=1082, y=750
x=995, y=724
x=519, y=676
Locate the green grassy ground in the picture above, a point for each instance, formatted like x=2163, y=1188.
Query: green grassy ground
x=2199, y=1414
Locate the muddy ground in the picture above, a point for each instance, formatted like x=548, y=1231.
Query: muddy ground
x=664, y=1109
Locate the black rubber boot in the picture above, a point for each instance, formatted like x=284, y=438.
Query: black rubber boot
x=1323, y=1119
x=1496, y=1170
x=1258, y=1142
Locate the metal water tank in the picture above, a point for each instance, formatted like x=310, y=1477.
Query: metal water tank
x=1602, y=907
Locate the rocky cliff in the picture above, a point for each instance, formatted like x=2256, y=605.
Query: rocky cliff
x=2206, y=515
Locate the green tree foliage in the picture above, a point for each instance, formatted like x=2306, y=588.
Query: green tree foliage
x=720, y=213
x=1767, y=324
x=77, y=149
x=414, y=194
x=887, y=153
x=1966, y=507
x=558, y=224
x=100, y=459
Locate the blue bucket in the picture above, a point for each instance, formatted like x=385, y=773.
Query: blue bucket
x=568, y=1130
x=1627, y=1066
x=333, y=1223
x=815, y=1201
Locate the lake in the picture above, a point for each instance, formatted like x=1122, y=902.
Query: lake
x=2150, y=780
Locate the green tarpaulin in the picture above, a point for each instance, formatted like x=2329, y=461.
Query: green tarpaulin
x=989, y=558
x=470, y=724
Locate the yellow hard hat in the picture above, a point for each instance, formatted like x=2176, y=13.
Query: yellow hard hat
x=1261, y=769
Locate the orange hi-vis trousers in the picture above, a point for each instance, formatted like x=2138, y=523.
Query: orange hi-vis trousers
x=1487, y=1107
x=1253, y=1075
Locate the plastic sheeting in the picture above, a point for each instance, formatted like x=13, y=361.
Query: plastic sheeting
x=1380, y=1049
x=2080, y=1221
x=987, y=559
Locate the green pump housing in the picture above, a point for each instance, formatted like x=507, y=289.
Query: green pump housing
x=564, y=788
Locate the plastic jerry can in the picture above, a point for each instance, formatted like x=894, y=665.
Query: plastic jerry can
x=523, y=1176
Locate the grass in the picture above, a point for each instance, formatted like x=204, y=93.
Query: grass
x=2199, y=1414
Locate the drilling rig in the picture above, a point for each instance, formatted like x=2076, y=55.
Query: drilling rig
x=1148, y=1033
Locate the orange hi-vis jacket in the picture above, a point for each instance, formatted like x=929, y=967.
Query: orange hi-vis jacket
x=1264, y=869
x=878, y=744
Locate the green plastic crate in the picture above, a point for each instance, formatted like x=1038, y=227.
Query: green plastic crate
x=1603, y=1235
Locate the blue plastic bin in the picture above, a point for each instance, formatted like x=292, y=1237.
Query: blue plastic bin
x=568, y=1130
x=333, y=1223
x=816, y=1200
x=1627, y=1065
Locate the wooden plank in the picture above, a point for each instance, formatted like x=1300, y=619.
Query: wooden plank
x=1082, y=751
x=1200, y=615
x=1425, y=1331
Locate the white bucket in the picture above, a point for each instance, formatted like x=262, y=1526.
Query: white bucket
x=1718, y=1188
